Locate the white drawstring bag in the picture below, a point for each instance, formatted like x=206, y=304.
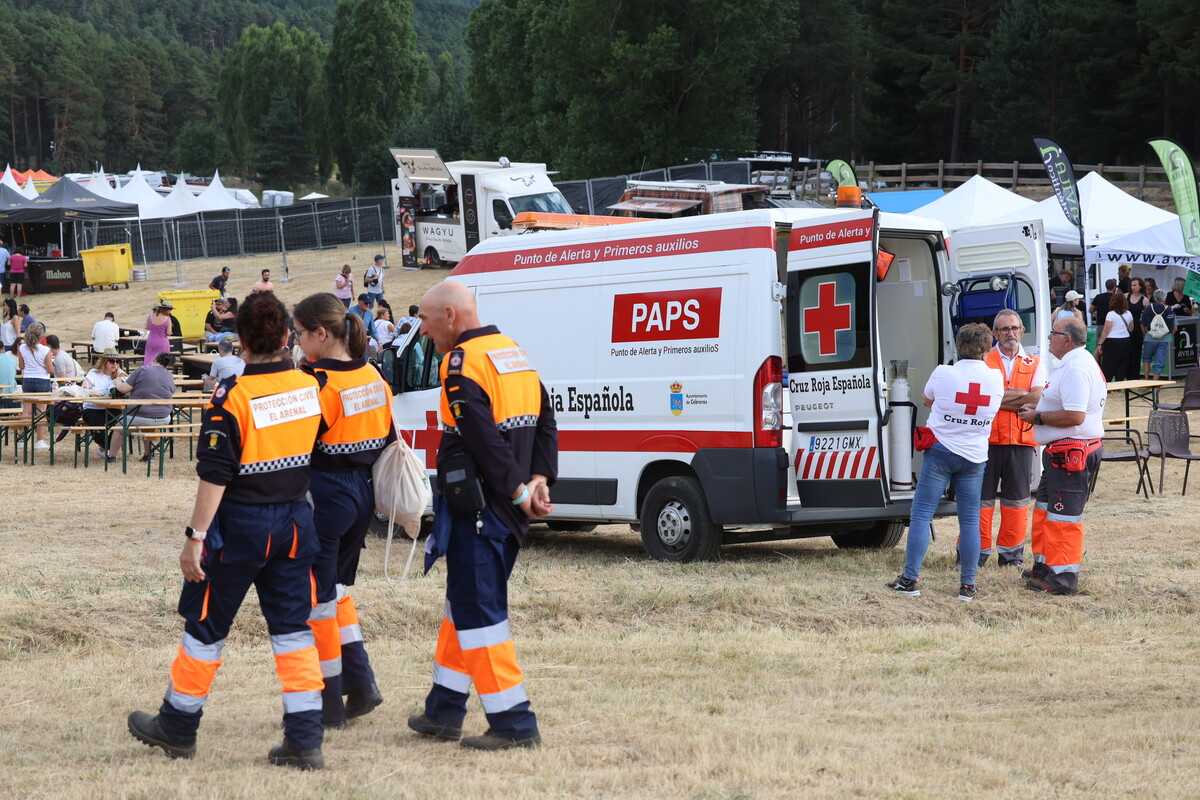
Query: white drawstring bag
x=402, y=494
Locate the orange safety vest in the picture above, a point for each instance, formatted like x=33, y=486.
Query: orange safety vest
x=1007, y=427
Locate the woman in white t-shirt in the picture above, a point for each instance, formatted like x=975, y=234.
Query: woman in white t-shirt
x=98, y=382
x=10, y=325
x=37, y=367
x=385, y=329
x=963, y=399
x=1114, y=343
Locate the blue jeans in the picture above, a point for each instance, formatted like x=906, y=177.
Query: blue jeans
x=939, y=468
x=1155, y=350
x=216, y=337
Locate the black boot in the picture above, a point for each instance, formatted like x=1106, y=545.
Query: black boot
x=284, y=756
x=148, y=730
x=430, y=727
x=362, y=700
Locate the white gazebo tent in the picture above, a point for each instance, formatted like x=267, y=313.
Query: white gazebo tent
x=216, y=197
x=8, y=180
x=1108, y=212
x=29, y=190
x=973, y=203
x=179, y=203
x=1157, y=251
x=99, y=185
x=138, y=191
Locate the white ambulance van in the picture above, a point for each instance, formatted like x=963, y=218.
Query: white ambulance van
x=737, y=377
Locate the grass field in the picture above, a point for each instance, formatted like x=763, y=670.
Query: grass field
x=785, y=670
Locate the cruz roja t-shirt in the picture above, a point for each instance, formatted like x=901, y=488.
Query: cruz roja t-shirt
x=966, y=397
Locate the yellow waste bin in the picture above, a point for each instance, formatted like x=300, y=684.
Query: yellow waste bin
x=191, y=308
x=107, y=265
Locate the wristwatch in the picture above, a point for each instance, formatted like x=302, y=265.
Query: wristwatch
x=1037, y=420
x=193, y=534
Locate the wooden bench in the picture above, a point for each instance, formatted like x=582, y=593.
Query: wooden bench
x=83, y=435
x=159, y=440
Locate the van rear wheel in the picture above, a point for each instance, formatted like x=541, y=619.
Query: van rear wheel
x=676, y=524
x=880, y=536
x=431, y=255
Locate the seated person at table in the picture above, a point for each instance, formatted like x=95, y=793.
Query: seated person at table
x=8, y=375
x=148, y=382
x=65, y=365
x=228, y=364
x=99, y=382
x=105, y=333
x=220, y=321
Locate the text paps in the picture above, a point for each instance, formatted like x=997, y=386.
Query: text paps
x=659, y=316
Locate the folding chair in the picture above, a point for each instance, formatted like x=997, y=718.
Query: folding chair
x=1169, y=438
x=1130, y=451
x=1191, y=393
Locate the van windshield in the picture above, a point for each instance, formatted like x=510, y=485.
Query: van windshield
x=547, y=203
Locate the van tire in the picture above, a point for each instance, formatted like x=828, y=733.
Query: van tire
x=431, y=255
x=572, y=527
x=676, y=524
x=379, y=526
x=880, y=536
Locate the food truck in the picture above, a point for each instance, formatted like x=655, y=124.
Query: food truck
x=442, y=210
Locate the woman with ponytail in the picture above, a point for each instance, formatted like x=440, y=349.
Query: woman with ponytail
x=356, y=426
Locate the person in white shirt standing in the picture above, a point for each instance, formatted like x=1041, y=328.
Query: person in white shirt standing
x=1069, y=421
x=373, y=279
x=963, y=400
x=105, y=334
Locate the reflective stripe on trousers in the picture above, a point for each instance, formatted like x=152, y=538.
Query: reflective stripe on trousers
x=299, y=671
x=192, y=673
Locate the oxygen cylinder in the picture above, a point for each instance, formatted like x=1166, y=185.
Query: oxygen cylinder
x=900, y=429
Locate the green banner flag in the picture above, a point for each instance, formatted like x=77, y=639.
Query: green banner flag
x=842, y=172
x=1191, y=286
x=1178, y=165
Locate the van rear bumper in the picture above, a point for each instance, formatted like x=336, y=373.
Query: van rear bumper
x=746, y=486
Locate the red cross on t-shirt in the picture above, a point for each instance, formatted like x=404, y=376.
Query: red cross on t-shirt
x=827, y=319
x=973, y=399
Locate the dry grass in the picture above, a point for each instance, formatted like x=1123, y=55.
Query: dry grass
x=785, y=670
x=72, y=314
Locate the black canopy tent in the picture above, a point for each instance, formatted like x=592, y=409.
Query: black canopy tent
x=60, y=269
x=67, y=201
x=10, y=199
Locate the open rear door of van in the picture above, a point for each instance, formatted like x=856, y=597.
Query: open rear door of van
x=834, y=377
x=994, y=267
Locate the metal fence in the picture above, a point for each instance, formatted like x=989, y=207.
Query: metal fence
x=1138, y=180
x=251, y=231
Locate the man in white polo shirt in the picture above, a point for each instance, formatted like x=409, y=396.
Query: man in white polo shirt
x=105, y=334
x=1069, y=421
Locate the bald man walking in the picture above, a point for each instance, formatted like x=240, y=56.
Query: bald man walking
x=497, y=458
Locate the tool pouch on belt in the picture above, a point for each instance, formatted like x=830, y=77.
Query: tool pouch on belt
x=1072, y=454
x=461, y=485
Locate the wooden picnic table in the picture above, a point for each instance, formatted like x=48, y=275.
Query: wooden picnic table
x=1141, y=389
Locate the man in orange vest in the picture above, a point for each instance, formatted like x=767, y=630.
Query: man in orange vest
x=1010, y=447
